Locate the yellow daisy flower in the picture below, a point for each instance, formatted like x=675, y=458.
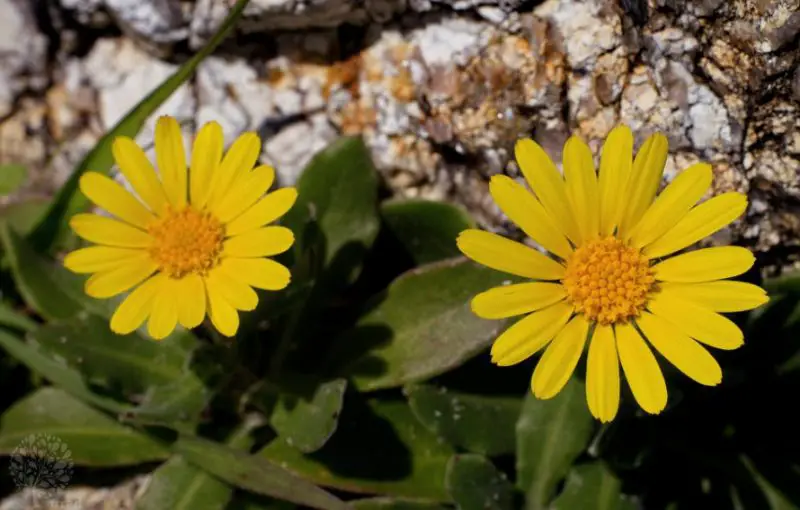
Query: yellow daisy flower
x=613, y=278
x=189, y=243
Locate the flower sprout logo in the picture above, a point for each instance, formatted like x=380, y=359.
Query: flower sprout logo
x=41, y=463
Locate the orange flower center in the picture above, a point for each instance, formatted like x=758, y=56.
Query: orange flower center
x=608, y=281
x=186, y=241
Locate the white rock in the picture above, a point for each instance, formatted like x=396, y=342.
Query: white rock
x=22, y=52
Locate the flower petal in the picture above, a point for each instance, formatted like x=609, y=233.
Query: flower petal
x=545, y=180
x=560, y=359
x=699, y=323
x=164, y=316
x=511, y=300
x=108, y=194
x=266, y=210
x=171, y=160
x=719, y=296
x=702, y=221
x=191, y=298
x=244, y=192
x=687, y=355
x=223, y=315
x=530, y=334
x=259, y=273
x=136, y=168
x=582, y=189
x=103, y=230
x=262, y=242
x=120, y=279
x=206, y=157
x=135, y=308
x=524, y=210
x=672, y=204
x=238, y=160
x=95, y=259
x=602, y=375
x=615, y=169
x=643, y=182
x=641, y=370
x=705, y=265
x=508, y=256
x=240, y=295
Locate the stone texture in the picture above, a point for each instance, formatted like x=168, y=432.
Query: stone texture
x=23, y=53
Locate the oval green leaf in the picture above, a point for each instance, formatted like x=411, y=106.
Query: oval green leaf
x=93, y=438
x=307, y=424
x=551, y=434
x=482, y=424
x=593, y=486
x=178, y=485
x=12, y=176
x=475, y=484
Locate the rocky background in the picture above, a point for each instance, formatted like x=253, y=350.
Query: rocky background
x=440, y=89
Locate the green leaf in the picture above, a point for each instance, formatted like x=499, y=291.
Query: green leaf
x=379, y=448
x=393, y=504
x=55, y=370
x=15, y=319
x=250, y=501
x=424, y=326
x=174, y=394
x=179, y=485
x=308, y=424
x=253, y=473
x=477, y=423
x=475, y=484
x=92, y=437
x=68, y=202
x=12, y=176
x=593, y=486
x=24, y=216
x=551, y=434
x=48, y=288
x=426, y=229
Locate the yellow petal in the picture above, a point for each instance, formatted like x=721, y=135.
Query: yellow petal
x=244, y=192
x=164, y=316
x=582, y=190
x=259, y=273
x=206, y=157
x=687, y=355
x=699, y=323
x=546, y=181
x=560, y=359
x=111, y=196
x=511, y=300
x=136, y=168
x=602, y=375
x=100, y=258
x=135, y=308
x=615, y=169
x=641, y=370
x=190, y=293
x=266, y=210
x=672, y=205
x=223, y=315
x=238, y=161
x=526, y=337
x=524, y=210
x=700, y=222
x=262, y=242
x=643, y=182
x=720, y=296
x=705, y=265
x=116, y=281
x=102, y=230
x=239, y=295
x=171, y=160
x=508, y=256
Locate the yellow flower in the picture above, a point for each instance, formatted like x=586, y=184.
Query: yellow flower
x=191, y=242
x=613, y=279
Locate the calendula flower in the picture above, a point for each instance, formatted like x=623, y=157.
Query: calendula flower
x=613, y=279
x=190, y=242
